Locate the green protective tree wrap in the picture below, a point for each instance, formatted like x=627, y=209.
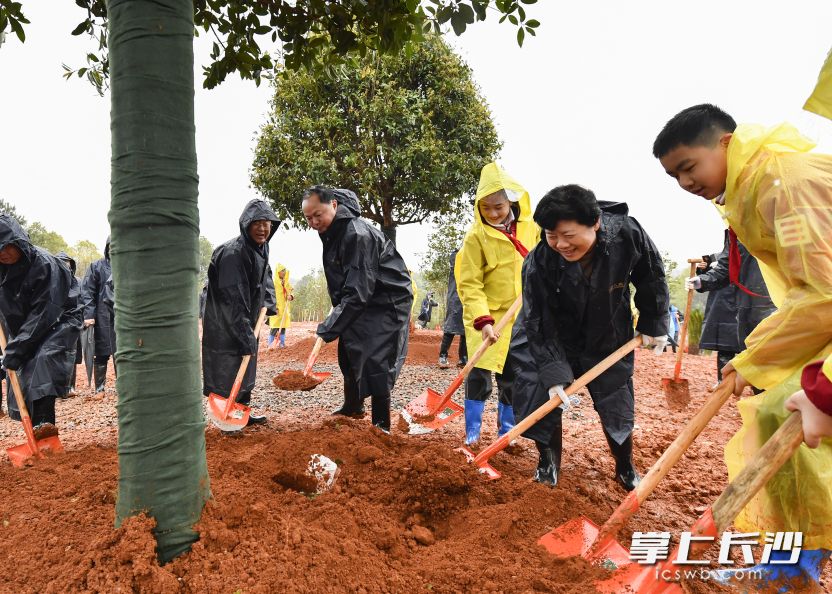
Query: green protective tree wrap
x=154, y=220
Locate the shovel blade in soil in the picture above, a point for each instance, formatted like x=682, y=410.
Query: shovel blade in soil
x=638, y=579
x=423, y=414
x=576, y=537
x=676, y=391
x=235, y=420
x=483, y=466
x=21, y=455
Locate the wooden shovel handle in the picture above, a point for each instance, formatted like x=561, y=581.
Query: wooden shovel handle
x=313, y=356
x=238, y=381
x=662, y=466
x=25, y=419
x=553, y=403
x=683, y=333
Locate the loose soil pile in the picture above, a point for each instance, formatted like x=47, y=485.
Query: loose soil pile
x=406, y=513
x=294, y=380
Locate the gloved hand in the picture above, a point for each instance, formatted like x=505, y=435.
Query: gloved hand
x=565, y=402
x=657, y=342
x=693, y=283
x=10, y=362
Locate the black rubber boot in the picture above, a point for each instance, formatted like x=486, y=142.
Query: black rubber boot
x=548, y=465
x=625, y=473
x=353, y=405
x=381, y=411
x=99, y=372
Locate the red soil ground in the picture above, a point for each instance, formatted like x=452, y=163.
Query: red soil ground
x=407, y=514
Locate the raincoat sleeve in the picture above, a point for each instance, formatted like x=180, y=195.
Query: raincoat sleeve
x=795, y=212
x=470, y=286
x=360, y=261
x=270, y=302
x=541, y=331
x=49, y=293
x=89, y=292
x=717, y=277
x=820, y=101
x=234, y=300
x=652, y=298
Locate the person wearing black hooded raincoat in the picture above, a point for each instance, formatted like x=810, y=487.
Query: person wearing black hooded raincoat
x=75, y=290
x=576, y=311
x=239, y=285
x=42, y=320
x=453, y=326
x=370, y=289
x=99, y=316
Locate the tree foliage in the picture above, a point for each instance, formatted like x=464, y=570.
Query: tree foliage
x=206, y=249
x=51, y=241
x=311, y=297
x=408, y=133
x=84, y=253
x=446, y=237
x=10, y=209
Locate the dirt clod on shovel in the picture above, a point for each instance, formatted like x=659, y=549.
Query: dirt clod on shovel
x=677, y=393
x=293, y=380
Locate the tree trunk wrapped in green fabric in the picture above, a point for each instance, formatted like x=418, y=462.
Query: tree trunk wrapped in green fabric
x=154, y=219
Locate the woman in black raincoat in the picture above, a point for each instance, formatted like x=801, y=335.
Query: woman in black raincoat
x=453, y=325
x=42, y=321
x=371, y=295
x=576, y=311
x=239, y=284
x=426, y=309
x=99, y=316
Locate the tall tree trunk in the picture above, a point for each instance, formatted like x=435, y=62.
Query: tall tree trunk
x=390, y=233
x=154, y=219
x=388, y=227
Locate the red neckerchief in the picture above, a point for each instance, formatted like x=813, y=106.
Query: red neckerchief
x=734, y=264
x=512, y=237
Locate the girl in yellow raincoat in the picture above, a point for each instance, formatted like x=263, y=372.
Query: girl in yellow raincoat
x=283, y=295
x=777, y=199
x=488, y=278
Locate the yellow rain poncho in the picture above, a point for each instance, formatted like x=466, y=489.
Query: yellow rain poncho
x=778, y=200
x=282, y=290
x=488, y=266
x=820, y=101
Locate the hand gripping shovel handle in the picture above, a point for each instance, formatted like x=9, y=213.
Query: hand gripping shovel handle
x=553, y=403
x=662, y=466
x=25, y=419
x=238, y=381
x=764, y=465
x=683, y=333
x=502, y=323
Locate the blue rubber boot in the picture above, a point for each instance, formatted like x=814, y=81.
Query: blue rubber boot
x=505, y=418
x=283, y=338
x=804, y=574
x=271, y=339
x=473, y=421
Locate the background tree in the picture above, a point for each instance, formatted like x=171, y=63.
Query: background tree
x=51, y=241
x=84, y=253
x=9, y=208
x=154, y=216
x=205, y=252
x=407, y=132
x=311, y=297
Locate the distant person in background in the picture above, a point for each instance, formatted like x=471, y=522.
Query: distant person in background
x=426, y=311
x=673, y=327
x=42, y=322
x=99, y=316
x=279, y=323
x=452, y=325
x=76, y=291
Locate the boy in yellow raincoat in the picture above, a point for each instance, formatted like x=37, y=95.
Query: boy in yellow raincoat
x=488, y=277
x=283, y=295
x=777, y=199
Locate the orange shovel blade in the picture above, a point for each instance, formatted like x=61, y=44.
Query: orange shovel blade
x=423, y=413
x=236, y=419
x=483, y=466
x=21, y=455
x=323, y=375
x=638, y=579
x=676, y=391
x=576, y=537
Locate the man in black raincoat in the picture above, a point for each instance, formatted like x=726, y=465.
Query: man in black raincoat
x=371, y=295
x=239, y=281
x=576, y=311
x=75, y=290
x=42, y=322
x=453, y=325
x=426, y=309
x=99, y=316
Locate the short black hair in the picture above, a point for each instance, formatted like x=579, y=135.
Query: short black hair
x=700, y=125
x=322, y=192
x=567, y=203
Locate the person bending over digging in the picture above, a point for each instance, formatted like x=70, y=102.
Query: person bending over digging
x=239, y=280
x=776, y=197
x=370, y=289
x=42, y=324
x=576, y=312
x=488, y=281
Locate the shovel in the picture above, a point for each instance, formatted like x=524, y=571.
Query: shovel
x=35, y=446
x=226, y=413
x=290, y=379
x=646, y=579
x=676, y=390
x=582, y=537
x=431, y=410
x=88, y=351
x=481, y=460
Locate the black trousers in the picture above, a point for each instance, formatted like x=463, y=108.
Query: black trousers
x=478, y=384
x=722, y=359
x=447, y=339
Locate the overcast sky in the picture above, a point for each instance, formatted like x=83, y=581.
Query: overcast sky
x=580, y=103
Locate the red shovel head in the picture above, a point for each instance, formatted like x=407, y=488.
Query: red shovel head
x=676, y=392
x=576, y=537
x=482, y=465
x=21, y=455
x=237, y=416
x=422, y=416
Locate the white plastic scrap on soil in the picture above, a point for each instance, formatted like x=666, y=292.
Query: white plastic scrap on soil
x=323, y=470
